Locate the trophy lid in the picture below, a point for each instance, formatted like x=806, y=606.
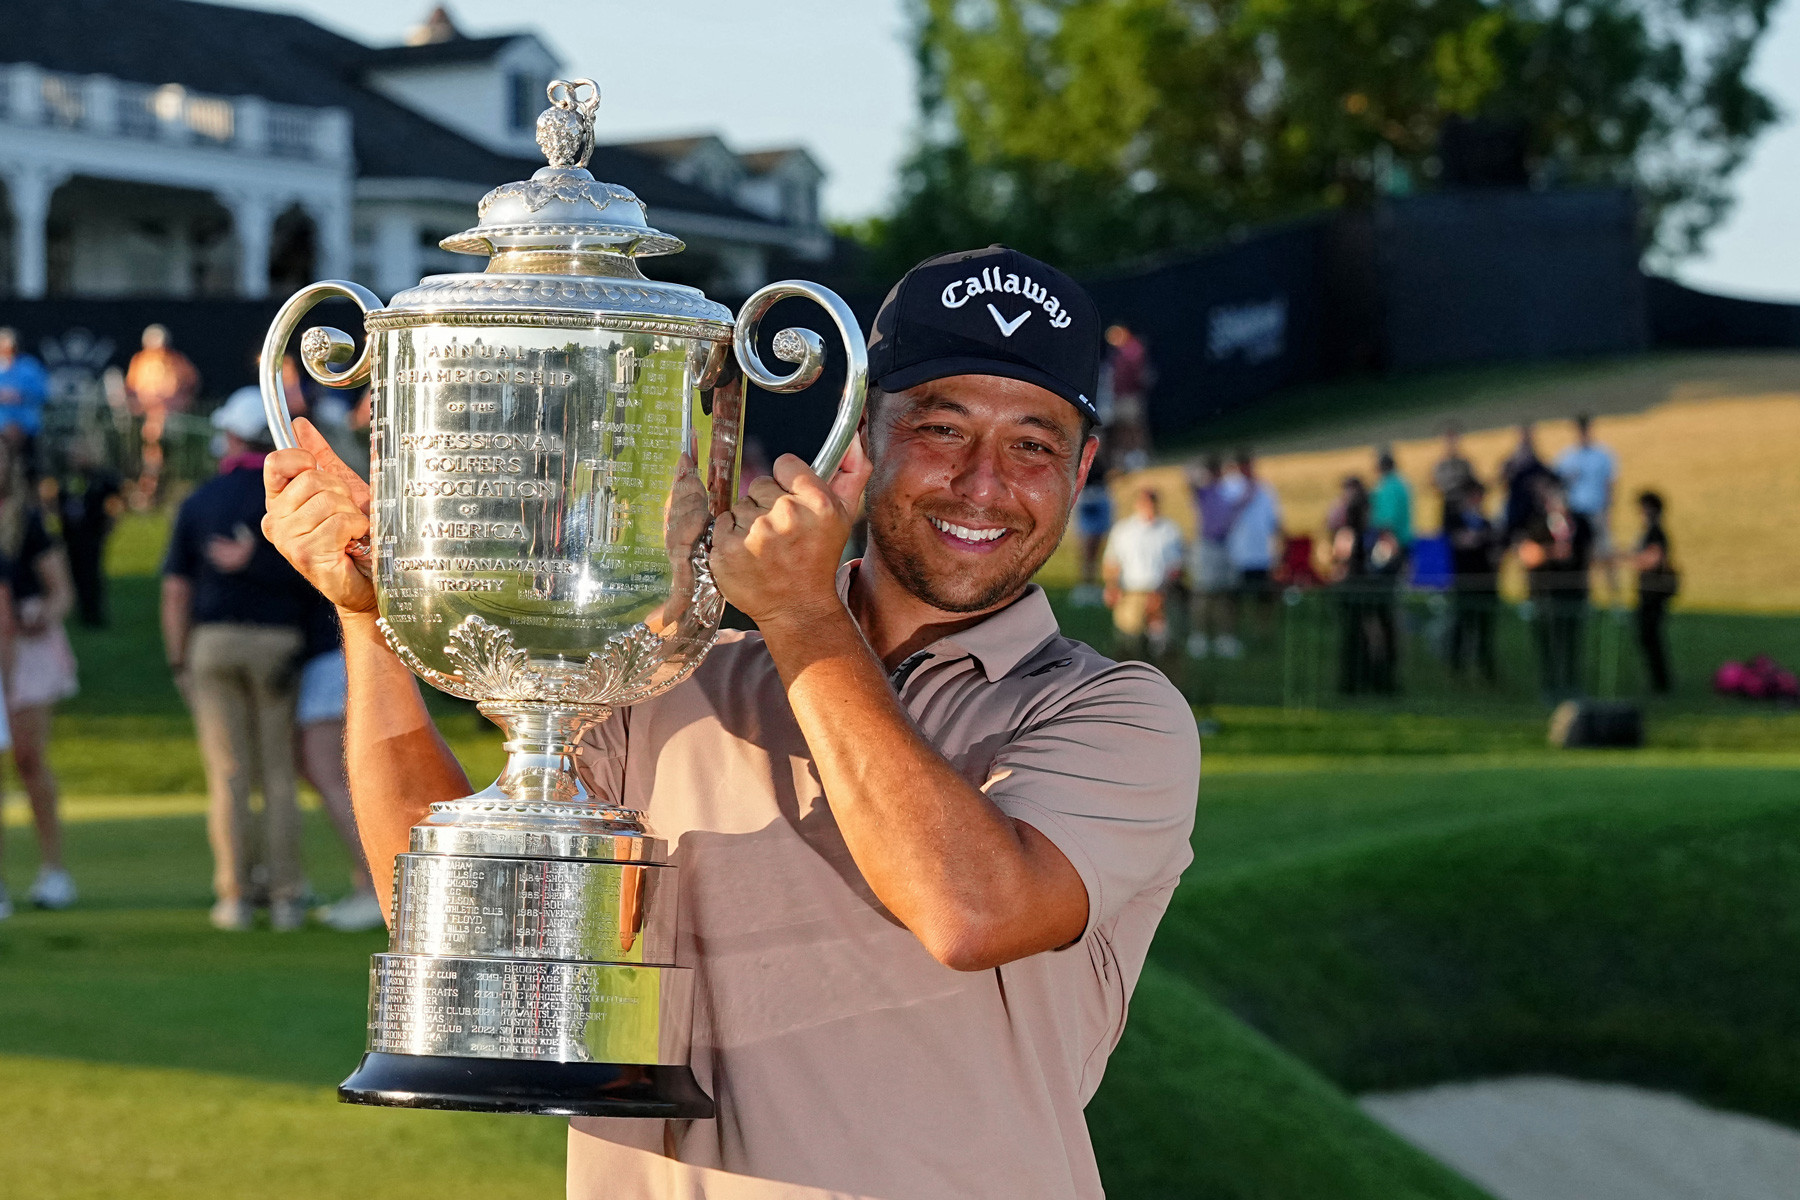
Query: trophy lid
x=563, y=207
x=562, y=238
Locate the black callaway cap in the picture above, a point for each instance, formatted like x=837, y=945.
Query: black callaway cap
x=988, y=312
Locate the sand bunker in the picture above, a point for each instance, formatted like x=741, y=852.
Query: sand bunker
x=1559, y=1139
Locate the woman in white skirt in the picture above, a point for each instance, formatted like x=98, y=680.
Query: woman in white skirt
x=42, y=669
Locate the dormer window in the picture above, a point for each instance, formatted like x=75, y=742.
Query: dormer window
x=525, y=95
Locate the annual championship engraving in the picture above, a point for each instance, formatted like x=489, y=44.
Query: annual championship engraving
x=550, y=442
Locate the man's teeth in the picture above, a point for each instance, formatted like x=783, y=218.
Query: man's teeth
x=967, y=535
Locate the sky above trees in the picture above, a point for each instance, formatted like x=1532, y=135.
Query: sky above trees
x=840, y=78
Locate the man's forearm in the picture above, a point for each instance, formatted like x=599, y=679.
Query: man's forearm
x=176, y=618
x=398, y=763
x=975, y=886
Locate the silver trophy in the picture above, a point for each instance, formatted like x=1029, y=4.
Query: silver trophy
x=551, y=439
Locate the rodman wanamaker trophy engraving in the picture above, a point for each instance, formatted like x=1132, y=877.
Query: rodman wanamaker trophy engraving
x=550, y=442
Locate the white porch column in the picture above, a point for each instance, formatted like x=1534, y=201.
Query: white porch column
x=25, y=93
x=396, y=250
x=252, y=117
x=253, y=219
x=30, y=186
x=332, y=237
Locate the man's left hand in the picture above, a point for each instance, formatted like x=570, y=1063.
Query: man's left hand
x=776, y=551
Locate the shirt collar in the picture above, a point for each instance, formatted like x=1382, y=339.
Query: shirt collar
x=1000, y=641
x=248, y=460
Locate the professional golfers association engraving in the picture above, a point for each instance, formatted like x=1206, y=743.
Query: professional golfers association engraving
x=550, y=442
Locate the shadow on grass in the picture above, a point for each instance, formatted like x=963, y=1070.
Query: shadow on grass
x=1399, y=930
x=134, y=974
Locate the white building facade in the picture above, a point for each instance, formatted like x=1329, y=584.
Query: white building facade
x=190, y=174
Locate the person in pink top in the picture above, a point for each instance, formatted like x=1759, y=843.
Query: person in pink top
x=925, y=838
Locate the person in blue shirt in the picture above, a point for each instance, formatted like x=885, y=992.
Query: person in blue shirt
x=1390, y=505
x=24, y=389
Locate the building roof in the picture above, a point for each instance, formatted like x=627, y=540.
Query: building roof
x=288, y=59
x=451, y=50
x=761, y=162
x=671, y=149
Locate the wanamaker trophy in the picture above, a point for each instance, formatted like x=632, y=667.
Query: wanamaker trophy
x=550, y=441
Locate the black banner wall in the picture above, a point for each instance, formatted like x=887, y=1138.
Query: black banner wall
x=221, y=337
x=1227, y=327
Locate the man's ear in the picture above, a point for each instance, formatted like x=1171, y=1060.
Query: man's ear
x=1088, y=449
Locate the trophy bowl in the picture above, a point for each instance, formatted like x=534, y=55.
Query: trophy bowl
x=550, y=441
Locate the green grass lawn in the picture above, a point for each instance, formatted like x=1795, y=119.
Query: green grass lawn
x=1379, y=899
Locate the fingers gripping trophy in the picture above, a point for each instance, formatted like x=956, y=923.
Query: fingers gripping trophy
x=551, y=439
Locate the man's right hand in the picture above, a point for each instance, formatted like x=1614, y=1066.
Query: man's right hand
x=317, y=507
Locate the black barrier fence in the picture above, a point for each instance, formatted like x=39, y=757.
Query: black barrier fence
x=1497, y=274
x=1458, y=277
x=1684, y=318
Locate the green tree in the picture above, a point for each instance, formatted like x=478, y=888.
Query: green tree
x=1092, y=131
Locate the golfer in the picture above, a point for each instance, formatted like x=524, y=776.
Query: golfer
x=924, y=838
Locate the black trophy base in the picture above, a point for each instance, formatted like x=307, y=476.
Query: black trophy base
x=505, y=1085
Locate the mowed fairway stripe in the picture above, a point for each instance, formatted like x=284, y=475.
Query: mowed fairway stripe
x=154, y=1133
x=113, y=808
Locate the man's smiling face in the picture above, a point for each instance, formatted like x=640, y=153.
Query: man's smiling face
x=974, y=477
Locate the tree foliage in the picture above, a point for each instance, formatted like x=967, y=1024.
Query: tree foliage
x=1090, y=131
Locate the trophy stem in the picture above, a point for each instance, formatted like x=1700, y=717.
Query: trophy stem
x=540, y=747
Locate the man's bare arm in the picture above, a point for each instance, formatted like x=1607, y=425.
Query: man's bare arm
x=177, y=615
x=977, y=887
x=398, y=763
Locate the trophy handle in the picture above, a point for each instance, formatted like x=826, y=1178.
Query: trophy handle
x=806, y=349
x=321, y=350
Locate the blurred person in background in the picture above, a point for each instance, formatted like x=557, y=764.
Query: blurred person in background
x=1218, y=498
x=24, y=390
x=1556, y=553
x=1588, y=471
x=319, y=728
x=89, y=499
x=1391, y=503
x=1358, y=593
x=1475, y=581
x=1523, y=473
x=1657, y=583
x=1250, y=548
x=319, y=717
x=233, y=641
x=1093, y=521
x=1125, y=381
x=40, y=670
x=1142, y=562
x=159, y=381
x=6, y=652
x=1451, y=474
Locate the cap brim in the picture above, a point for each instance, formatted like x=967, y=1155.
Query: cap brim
x=944, y=368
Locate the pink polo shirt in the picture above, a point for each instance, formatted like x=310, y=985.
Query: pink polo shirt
x=845, y=1060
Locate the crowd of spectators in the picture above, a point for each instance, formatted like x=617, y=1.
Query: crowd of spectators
x=1553, y=518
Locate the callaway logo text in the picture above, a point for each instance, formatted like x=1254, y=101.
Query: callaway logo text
x=960, y=292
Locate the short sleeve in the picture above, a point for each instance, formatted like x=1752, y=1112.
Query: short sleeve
x=1111, y=778
x=183, y=558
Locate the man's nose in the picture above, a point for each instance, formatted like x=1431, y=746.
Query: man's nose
x=979, y=478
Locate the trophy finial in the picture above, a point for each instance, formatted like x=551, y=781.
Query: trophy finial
x=565, y=130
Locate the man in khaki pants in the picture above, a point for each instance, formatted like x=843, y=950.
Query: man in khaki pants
x=231, y=618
